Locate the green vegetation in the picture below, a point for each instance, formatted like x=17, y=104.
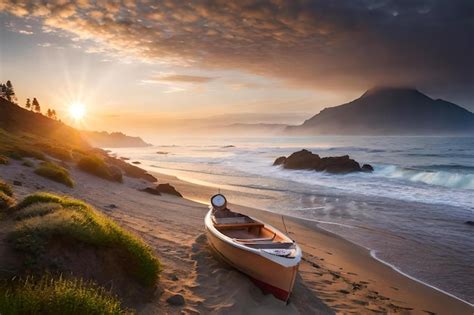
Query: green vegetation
x=61, y=153
x=96, y=166
x=6, y=188
x=27, y=163
x=6, y=196
x=55, y=172
x=18, y=146
x=77, y=221
x=37, y=209
x=4, y=160
x=6, y=201
x=49, y=295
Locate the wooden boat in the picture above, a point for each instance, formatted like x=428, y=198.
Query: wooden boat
x=266, y=255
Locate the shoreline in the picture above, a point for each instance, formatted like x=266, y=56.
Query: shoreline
x=427, y=294
x=335, y=275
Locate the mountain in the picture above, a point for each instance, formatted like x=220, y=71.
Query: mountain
x=104, y=139
x=390, y=111
x=16, y=119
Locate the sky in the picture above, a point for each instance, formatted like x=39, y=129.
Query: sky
x=140, y=64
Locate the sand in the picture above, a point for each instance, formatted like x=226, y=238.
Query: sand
x=335, y=275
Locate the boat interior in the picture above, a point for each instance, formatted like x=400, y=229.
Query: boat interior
x=251, y=233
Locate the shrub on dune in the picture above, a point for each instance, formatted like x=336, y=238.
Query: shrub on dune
x=6, y=188
x=78, y=221
x=6, y=196
x=4, y=160
x=6, y=201
x=95, y=166
x=59, y=152
x=49, y=295
x=37, y=209
x=55, y=172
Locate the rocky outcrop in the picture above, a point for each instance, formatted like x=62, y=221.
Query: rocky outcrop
x=367, y=168
x=168, y=189
x=306, y=160
x=162, y=188
x=279, y=161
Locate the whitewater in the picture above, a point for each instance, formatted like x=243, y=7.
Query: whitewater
x=411, y=210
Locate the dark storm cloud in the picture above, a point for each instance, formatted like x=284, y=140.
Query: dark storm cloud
x=325, y=44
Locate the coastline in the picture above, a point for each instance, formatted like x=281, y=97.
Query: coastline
x=353, y=263
x=335, y=274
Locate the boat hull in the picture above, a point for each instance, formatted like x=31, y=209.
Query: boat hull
x=271, y=277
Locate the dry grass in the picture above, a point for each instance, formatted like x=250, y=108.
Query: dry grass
x=96, y=166
x=55, y=172
x=49, y=295
x=6, y=196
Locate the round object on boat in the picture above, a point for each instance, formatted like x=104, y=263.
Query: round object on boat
x=219, y=202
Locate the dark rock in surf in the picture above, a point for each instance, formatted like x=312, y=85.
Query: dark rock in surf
x=367, y=168
x=306, y=160
x=301, y=160
x=469, y=223
x=279, y=161
x=136, y=162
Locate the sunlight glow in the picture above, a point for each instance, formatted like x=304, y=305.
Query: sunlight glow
x=77, y=111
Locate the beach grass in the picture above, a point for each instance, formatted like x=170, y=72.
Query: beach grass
x=6, y=196
x=27, y=163
x=4, y=160
x=93, y=165
x=62, y=153
x=6, y=201
x=37, y=209
x=6, y=188
x=55, y=172
x=78, y=221
x=56, y=295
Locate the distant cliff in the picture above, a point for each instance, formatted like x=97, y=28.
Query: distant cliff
x=390, y=111
x=104, y=139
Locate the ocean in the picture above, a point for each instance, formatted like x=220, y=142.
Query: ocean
x=410, y=212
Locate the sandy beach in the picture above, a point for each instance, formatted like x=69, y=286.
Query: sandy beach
x=335, y=276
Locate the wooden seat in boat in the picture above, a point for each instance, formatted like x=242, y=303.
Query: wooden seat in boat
x=232, y=226
x=261, y=239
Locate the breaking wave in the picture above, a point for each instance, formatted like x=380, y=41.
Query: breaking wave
x=430, y=177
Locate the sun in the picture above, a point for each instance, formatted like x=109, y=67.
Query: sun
x=77, y=111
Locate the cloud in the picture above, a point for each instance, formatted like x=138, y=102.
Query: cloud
x=348, y=44
x=181, y=78
x=24, y=32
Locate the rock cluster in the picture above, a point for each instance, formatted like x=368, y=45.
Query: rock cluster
x=306, y=160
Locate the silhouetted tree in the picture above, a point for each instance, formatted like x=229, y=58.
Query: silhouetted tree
x=36, y=105
x=51, y=113
x=9, y=92
x=28, y=104
x=2, y=90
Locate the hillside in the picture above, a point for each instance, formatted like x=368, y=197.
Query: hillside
x=104, y=139
x=390, y=111
x=19, y=120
